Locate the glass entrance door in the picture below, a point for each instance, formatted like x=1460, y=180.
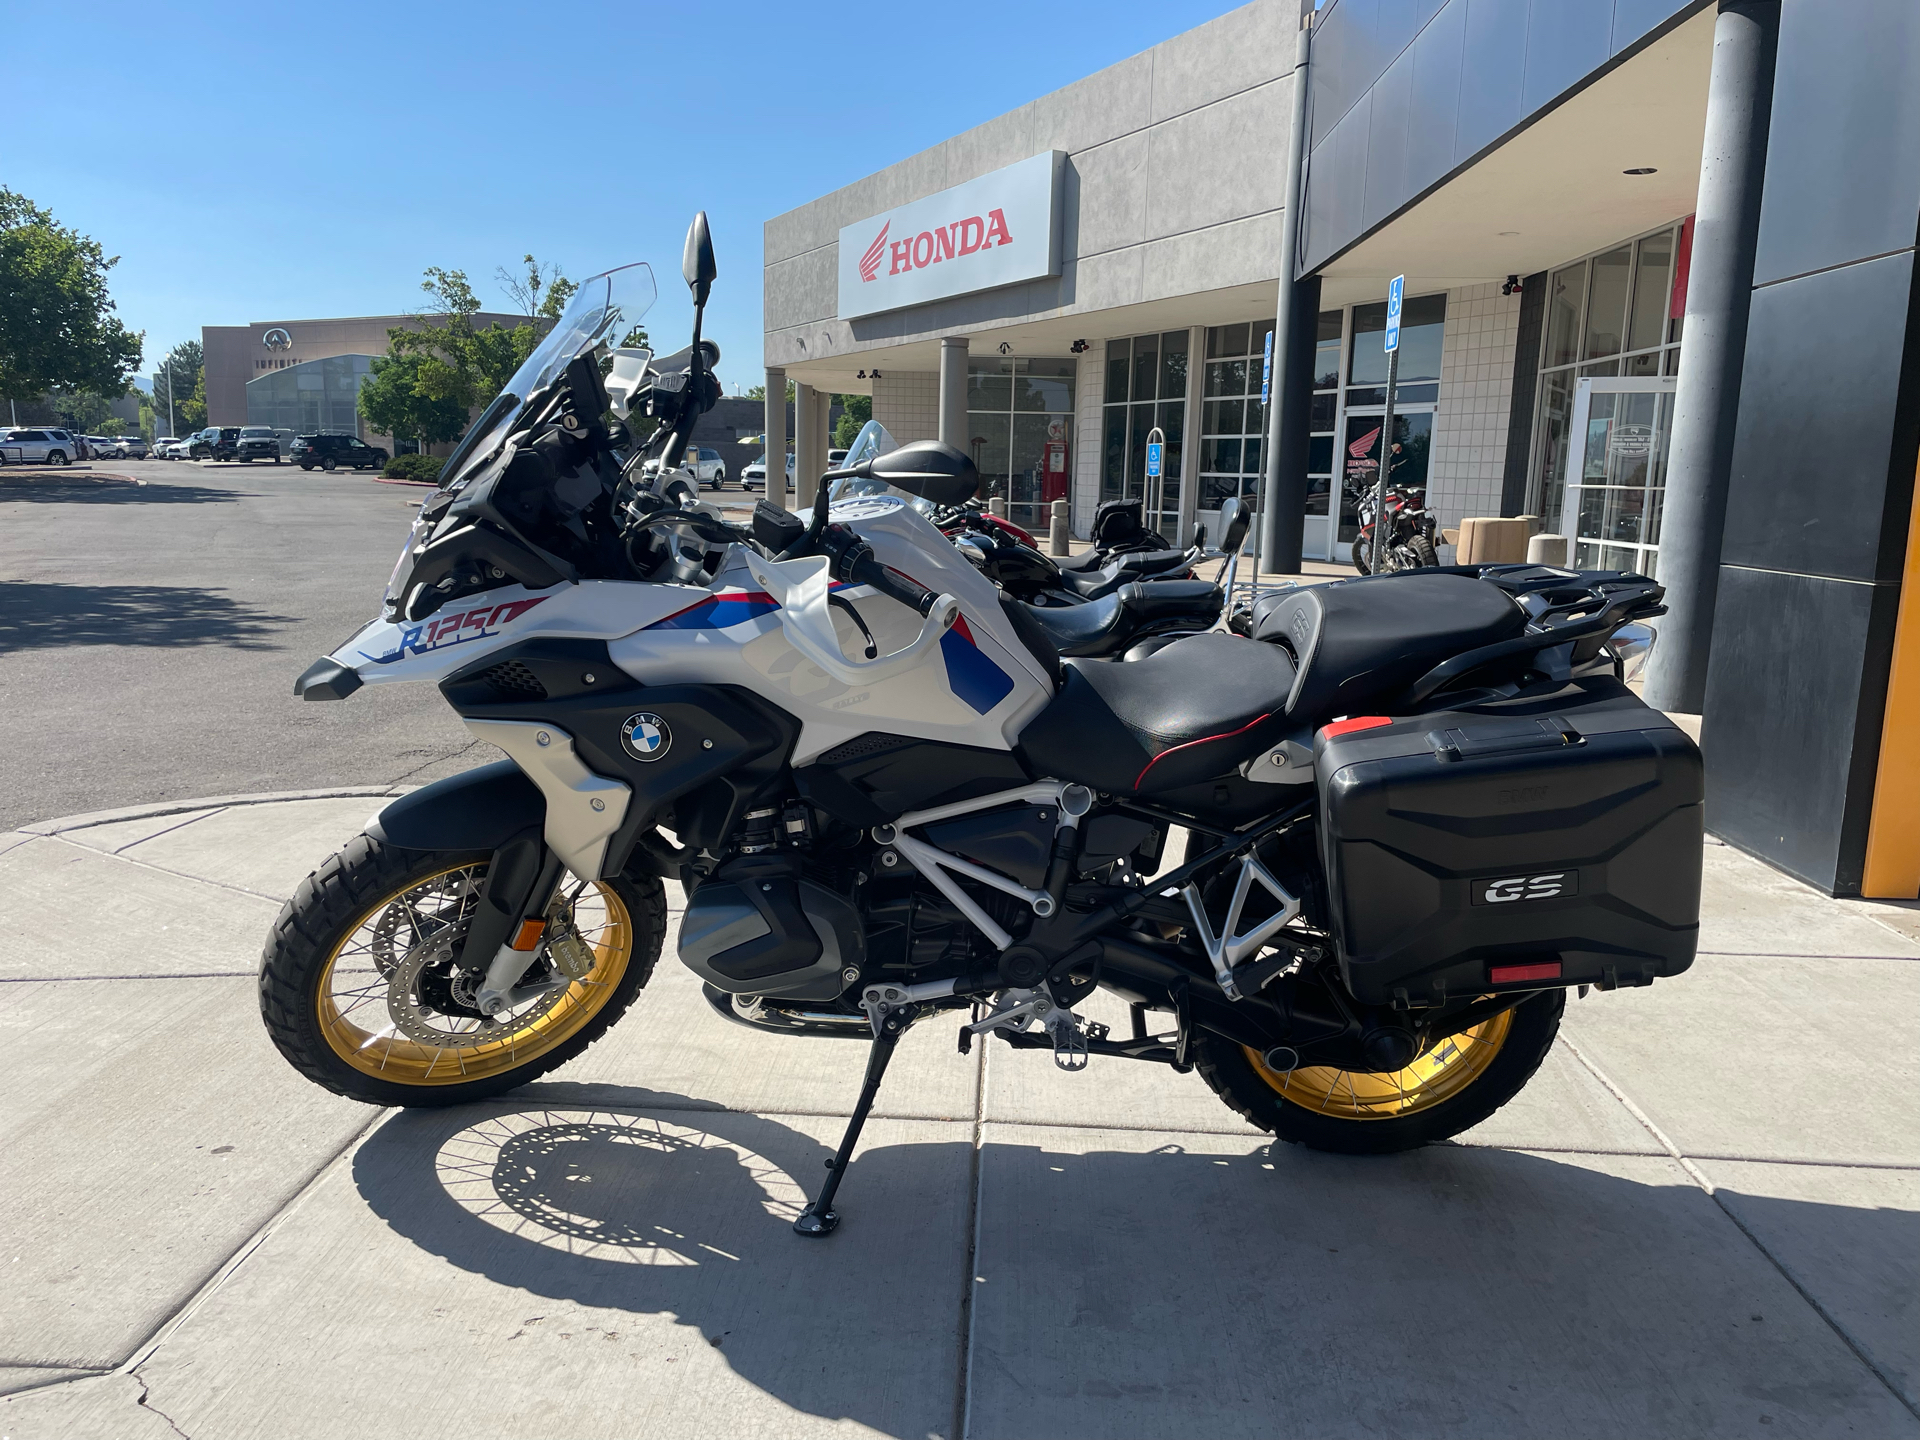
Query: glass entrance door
x=1412, y=454
x=1617, y=478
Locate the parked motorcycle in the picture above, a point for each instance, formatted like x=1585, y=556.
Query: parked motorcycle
x=1418, y=807
x=1410, y=531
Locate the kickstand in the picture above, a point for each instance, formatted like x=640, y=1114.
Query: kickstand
x=819, y=1218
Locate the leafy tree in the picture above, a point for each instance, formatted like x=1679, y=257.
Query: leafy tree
x=393, y=403
x=858, y=411
x=759, y=392
x=84, y=411
x=184, y=369
x=57, y=326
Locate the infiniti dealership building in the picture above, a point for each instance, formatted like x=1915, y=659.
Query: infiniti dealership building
x=1658, y=261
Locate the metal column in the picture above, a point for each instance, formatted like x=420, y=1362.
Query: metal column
x=1713, y=345
x=776, y=436
x=1283, y=491
x=953, y=392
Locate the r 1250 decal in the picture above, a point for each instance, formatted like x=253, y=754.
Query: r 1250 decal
x=1507, y=890
x=456, y=629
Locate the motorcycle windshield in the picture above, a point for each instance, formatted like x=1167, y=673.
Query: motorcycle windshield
x=603, y=314
x=872, y=440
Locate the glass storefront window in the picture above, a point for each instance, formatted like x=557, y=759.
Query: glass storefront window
x=1607, y=315
x=1422, y=323
x=1607, y=303
x=1020, y=432
x=312, y=398
x=1234, y=420
x=1325, y=410
x=1150, y=372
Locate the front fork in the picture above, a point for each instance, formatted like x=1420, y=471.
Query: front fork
x=510, y=920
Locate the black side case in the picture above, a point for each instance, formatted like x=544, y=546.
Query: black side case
x=1560, y=831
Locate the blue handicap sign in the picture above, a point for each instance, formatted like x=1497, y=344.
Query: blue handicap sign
x=1153, y=460
x=1393, y=311
x=1266, y=369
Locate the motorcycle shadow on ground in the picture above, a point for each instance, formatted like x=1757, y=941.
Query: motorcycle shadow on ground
x=1155, y=1290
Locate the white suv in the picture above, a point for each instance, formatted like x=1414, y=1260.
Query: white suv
x=44, y=443
x=707, y=466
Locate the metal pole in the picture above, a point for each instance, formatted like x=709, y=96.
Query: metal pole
x=1706, y=398
x=1386, y=464
x=1283, y=501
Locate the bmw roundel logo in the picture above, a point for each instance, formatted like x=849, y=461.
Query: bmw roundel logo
x=646, y=736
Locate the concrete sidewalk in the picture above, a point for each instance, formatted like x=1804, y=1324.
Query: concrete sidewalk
x=1700, y=1218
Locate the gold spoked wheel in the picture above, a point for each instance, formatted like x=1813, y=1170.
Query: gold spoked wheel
x=391, y=1006
x=1437, y=1074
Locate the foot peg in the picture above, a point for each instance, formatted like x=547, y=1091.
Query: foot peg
x=1015, y=1010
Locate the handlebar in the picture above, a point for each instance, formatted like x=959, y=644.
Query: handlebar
x=891, y=583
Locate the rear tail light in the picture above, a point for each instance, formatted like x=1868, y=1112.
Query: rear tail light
x=1354, y=722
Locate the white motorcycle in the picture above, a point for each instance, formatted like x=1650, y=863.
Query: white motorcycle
x=1418, y=808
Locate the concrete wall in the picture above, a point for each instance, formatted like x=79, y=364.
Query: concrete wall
x=1404, y=95
x=1173, y=187
x=1476, y=396
x=907, y=402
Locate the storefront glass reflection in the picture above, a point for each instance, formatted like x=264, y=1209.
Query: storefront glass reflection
x=312, y=398
x=1020, y=432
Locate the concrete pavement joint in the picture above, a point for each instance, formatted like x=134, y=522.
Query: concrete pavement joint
x=183, y=975
x=192, y=819
x=163, y=870
x=164, y=1331
x=1712, y=1194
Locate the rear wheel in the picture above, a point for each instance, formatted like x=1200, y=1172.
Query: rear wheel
x=359, y=991
x=56, y=457
x=328, y=463
x=1423, y=552
x=1451, y=1086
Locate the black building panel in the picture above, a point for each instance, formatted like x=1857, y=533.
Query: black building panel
x=1494, y=67
x=1843, y=152
x=1434, y=104
x=1386, y=181
x=1820, y=426
x=1796, y=690
x=1565, y=44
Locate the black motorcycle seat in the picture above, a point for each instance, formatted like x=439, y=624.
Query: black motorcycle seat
x=1188, y=714
x=1359, y=643
x=1123, y=570
x=1097, y=627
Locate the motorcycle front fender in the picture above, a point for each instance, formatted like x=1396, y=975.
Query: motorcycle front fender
x=475, y=810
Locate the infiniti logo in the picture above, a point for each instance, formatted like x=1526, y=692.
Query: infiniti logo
x=277, y=339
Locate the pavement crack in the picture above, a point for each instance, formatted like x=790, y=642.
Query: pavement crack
x=147, y=1404
x=436, y=760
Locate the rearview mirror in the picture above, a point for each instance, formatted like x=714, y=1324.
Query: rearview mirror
x=1235, y=519
x=697, y=265
x=929, y=469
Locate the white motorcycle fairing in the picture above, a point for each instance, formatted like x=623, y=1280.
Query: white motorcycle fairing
x=975, y=684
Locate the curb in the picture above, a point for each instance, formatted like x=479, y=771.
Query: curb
x=213, y=802
x=420, y=484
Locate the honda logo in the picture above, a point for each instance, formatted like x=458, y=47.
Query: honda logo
x=1526, y=887
x=998, y=229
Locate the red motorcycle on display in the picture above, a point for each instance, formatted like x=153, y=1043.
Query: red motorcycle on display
x=1411, y=529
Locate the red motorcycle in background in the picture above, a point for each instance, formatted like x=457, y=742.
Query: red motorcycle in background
x=1410, y=530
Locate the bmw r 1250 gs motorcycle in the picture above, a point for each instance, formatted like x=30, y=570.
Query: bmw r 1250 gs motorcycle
x=1418, y=807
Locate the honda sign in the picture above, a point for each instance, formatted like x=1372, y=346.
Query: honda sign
x=997, y=230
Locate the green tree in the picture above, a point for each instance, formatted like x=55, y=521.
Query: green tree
x=57, y=326
x=393, y=403
x=858, y=411
x=759, y=392
x=184, y=370
x=84, y=411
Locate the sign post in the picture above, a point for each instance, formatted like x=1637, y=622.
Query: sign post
x=1394, y=292
x=1155, y=487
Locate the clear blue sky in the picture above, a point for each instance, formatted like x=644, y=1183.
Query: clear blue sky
x=307, y=159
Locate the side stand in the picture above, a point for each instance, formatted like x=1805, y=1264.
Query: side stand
x=819, y=1218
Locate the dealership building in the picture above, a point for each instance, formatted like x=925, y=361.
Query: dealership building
x=303, y=376
x=1658, y=293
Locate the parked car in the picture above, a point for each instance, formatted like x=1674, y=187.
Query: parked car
x=102, y=447
x=26, y=444
x=330, y=452
x=216, y=442
x=834, y=457
x=132, y=447
x=707, y=466
x=257, y=442
x=754, y=477
x=174, y=448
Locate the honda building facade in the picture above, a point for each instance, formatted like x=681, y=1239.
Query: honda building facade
x=1658, y=262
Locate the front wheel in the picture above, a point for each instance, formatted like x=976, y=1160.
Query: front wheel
x=359, y=991
x=1423, y=552
x=328, y=463
x=56, y=457
x=1363, y=553
x=1451, y=1086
